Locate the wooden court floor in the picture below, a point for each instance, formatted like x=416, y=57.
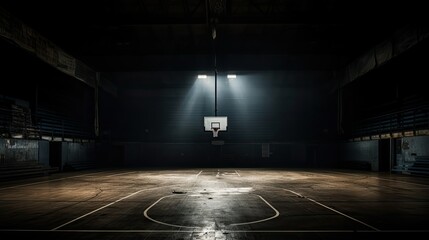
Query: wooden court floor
x=214, y=204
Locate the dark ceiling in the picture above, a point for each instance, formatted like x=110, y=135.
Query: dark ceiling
x=135, y=35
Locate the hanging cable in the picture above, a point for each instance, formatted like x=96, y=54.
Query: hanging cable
x=215, y=65
x=214, y=8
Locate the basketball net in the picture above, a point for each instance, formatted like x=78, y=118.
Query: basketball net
x=215, y=131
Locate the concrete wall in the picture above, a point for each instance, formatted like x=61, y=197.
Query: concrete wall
x=21, y=151
x=73, y=153
x=228, y=155
x=44, y=152
x=109, y=155
x=360, y=154
x=411, y=147
x=170, y=155
x=16, y=151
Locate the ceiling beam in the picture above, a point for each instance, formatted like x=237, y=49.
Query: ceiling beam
x=202, y=62
x=30, y=40
x=401, y=41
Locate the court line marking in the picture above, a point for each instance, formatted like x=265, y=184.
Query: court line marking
x=262, y=220
x=336, y=211
x=210, y=231
x=237, y=173
x=100, y=208
x=58, y=179
x=163, y=223
x=145, y=213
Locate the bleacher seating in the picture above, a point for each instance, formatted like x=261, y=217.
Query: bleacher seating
x=420, y=166
x=20, y=122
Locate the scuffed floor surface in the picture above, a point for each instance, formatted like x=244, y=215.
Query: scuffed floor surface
x=215, y=204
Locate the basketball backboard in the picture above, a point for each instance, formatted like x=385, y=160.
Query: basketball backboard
x=215, y=124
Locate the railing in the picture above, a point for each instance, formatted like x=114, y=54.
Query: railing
x=16, y=121
x=411, y=119
x=52, y=124
x=420, y=166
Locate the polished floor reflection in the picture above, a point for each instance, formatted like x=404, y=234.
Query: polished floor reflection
x=215, y=204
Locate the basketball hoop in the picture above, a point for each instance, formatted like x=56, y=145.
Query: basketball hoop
x=215, y=125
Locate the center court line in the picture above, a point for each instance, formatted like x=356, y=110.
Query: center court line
x=59, y=179
x=336, y=211
x=100, y=208
x=237, y=173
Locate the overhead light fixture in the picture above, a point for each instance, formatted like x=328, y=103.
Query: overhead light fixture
x=202, y=76
x=231, y=76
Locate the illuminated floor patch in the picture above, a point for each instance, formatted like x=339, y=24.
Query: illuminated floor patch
x=208, y=210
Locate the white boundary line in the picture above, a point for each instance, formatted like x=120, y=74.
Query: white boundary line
x=336, y=211
x=237, y=173
x=98, y=209
x=210, y=231
x=163, y=223
x=234, y=224
x=53, y=180
x=262, y=220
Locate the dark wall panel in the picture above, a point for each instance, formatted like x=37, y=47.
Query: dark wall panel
x=238, y=155
x=360, y=155
x=261, y=107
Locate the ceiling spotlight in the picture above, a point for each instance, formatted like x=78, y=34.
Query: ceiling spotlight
x=202, y=76
x=231, y=76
